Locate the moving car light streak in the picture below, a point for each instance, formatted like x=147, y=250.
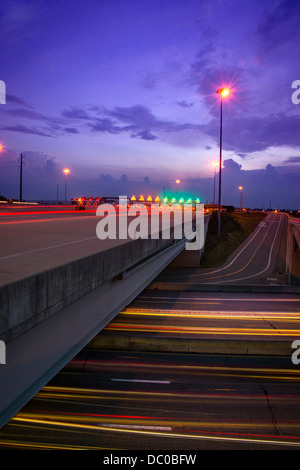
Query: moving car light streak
x=158, y=399
x=235, y=430
x=118, y=429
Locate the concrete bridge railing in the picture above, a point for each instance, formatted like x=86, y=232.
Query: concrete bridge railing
x=293, y=252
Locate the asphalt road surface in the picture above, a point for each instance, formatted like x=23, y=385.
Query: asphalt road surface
x=116, y=401
x=259, y=260
x=36, y=238
x=210, y=315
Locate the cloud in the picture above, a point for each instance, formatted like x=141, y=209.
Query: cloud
x=71, y=130
x=292, y=160
x=76, y=112
x=12, y=99
x=25, y=130
x=145, y=135
x=253, y=133
x=231, y=164
x=184, y=104
x=279, y=25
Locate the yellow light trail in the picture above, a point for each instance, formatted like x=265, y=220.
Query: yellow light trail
x=99, y=428
x=203, y=330
x=248, y=315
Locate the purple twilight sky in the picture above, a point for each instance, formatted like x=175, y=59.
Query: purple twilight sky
x=123, y=92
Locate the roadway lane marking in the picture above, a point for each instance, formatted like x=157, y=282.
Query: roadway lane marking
x=246, y=265
x=137, y=426
x=259, y=227
x=47, y=248
x=269, y=261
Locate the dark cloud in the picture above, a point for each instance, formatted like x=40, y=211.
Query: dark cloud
x=245, y=134
x=12, y=99
x=25, y=130
x=280, y=24
x=231, y=164
x=184, y=104
x=105, y=125
x=292, y=160
x=33, y=115
x=76, y=112
x=145, y=135
x=71, y=130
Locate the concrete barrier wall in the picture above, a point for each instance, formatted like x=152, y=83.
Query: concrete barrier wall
x=192, y=258
x=27, y=302
x=293, y=254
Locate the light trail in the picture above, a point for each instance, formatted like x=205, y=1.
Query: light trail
x=228, y=299
x=217, y=436
x=53, y=219
x=289, y=333
x=236, y=314
x=38, y=250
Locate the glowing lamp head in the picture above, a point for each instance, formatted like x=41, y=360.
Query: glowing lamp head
x=66, y=171
x=223, y=92
x=214, y=163
x=240, y=188
x=177, y=181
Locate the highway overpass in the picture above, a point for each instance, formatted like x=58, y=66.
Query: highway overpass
x=60, y=286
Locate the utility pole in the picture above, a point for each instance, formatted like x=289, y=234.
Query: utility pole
x=21, y=174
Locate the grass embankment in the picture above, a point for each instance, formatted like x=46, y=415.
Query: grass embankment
x=235, y=228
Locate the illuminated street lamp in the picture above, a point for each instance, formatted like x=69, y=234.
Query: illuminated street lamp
x=223, y=92
x=215, y=164
x=177, y=182
x=66, y=172
x=241, y=197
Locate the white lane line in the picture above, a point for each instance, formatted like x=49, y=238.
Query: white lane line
x=136, y=426
x=261, y=272
x=260, y=226
x=142, y=381
x=47, y=248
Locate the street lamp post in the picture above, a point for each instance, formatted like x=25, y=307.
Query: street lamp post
x=241, y=197
x=177, y=182
x=215, y=164
x=223, y=92
x=66, y=172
